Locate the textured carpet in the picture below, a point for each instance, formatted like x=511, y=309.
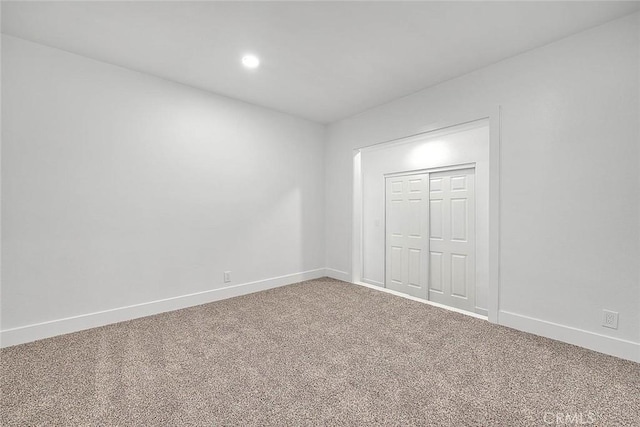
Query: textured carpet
x=319, y=352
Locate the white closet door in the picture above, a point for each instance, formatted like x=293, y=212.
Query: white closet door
x=452, y=238
x=407, y=241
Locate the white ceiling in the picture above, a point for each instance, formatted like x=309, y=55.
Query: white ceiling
x=320, y=60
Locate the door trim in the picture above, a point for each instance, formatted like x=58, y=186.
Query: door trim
x=432, y=170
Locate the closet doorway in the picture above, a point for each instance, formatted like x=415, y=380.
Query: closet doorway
x=430, y=233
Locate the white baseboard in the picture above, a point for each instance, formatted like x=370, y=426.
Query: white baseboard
x=372, y=282
x=424, y=301
x=67, y=325
x=337, y=274
x=601, y=343
x=482, y=312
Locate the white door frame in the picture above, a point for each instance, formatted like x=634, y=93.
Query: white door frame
x=492, y=115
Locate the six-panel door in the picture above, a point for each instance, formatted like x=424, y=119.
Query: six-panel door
x=430, y=236
x=407, y=240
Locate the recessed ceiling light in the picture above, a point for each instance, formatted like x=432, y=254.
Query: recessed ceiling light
x=250, y=61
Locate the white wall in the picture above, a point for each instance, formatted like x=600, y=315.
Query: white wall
x=570, y=184
x=120, y=188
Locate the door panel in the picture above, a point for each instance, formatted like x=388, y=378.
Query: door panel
x=459, y=220
x=396, y=264
x=407, y=226
x=452, y=238
x=435, y=277
x=459, y=275
x=414, y=268
x=435, y=221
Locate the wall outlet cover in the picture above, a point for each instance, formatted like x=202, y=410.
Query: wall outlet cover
x=610, y=319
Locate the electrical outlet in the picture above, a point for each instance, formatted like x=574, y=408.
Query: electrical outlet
x=610, y=319
x=227, y=276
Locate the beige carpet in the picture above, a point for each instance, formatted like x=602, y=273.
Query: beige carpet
x=321, y=352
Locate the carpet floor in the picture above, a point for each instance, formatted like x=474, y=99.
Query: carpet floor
x=321, y=352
